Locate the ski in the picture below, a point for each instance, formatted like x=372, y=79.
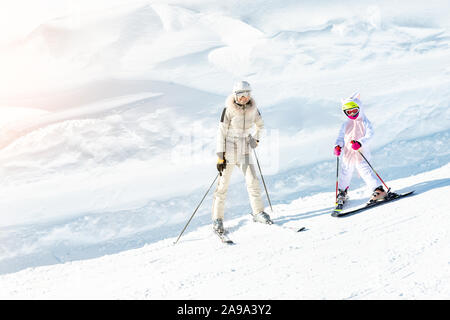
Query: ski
x=271, y=222
x=224, y=238
x=391, y=197
x=295, y=229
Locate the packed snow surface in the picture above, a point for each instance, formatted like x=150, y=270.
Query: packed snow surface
x=394, y=251
x=108, y=119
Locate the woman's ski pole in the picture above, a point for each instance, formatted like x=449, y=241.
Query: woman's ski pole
x=374, y=171
x=196, y=209
x=262, y=177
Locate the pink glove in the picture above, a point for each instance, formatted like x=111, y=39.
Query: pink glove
x=355, y=144
x=337, y=151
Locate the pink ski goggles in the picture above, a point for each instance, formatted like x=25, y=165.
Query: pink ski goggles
x=352, y=112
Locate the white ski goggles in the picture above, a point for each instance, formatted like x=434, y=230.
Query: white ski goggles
x=240, y=94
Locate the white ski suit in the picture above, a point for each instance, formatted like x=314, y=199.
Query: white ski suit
x=235, y=125
x=360, y=130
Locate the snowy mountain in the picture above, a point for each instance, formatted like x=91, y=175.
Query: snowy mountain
x=108, y=117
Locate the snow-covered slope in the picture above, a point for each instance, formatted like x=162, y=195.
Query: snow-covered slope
x=109, y=111
x=395, y=251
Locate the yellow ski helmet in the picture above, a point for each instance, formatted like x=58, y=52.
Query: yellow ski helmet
x=351, y=109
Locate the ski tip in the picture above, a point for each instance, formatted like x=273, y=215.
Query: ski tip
x=302, y=229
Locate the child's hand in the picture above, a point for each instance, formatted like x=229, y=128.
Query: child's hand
x=355, y=144
x=337, y=151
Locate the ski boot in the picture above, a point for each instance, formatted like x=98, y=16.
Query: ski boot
x=391, y=195
x=262, y=217
x=218, y=226
x=342, y=197
x=378, y=195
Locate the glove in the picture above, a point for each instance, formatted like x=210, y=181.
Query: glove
x=337, y=151
x=252, y=141
x=355, y=144
x=221, y=164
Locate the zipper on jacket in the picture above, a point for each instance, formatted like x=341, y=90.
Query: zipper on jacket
x=244, y=139
x=244, y=118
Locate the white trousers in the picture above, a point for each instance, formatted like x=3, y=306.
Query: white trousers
x=364, y=170
x=253, y=189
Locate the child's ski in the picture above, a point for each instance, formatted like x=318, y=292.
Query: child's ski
x=390, y=197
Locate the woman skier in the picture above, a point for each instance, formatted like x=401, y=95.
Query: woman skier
x=234, y=141
x=353, y=138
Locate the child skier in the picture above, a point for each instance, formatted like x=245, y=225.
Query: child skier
x=233, y=147
x=353, y=138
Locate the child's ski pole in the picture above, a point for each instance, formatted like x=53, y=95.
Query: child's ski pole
x=337, y=176
x=374, y=171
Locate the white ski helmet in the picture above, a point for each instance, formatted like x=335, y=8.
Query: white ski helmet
x=242, y=86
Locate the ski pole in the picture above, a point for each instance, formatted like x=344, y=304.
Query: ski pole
x=262, y=178
x=374, y=171
x=337, y=176
x=196, y=209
